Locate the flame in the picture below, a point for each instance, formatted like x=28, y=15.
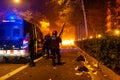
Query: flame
x=45, y=26
x=60, y=2
x=68, y=42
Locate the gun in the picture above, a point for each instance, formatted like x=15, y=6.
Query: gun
x=61, y=32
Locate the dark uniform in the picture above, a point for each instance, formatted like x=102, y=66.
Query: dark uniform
x=31, y=50
x=55, y=48
x=46, y=45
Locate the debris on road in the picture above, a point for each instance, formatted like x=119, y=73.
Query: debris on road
x=79, y=74
x=83, y=69
x=80, y=58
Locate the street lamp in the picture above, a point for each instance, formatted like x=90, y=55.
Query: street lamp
x=16, y=1
x=117, y=32
x=85, y=21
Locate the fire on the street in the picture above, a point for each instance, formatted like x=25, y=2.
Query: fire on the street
x=68, y=42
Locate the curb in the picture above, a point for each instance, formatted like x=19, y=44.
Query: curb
x=104, y=73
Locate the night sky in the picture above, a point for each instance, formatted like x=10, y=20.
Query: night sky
x=39, y=5
x=33, y=4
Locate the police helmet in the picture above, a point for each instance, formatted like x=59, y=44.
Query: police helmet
x=54, y=32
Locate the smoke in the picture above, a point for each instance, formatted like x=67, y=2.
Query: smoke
x=118, y=1
x=45, y=26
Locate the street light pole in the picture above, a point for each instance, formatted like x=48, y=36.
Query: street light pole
x=85, y=21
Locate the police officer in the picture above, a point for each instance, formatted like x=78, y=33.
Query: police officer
x=55, y=47
x=46, y=45
x=31, y=50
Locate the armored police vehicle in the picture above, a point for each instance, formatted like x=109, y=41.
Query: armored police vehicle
x=14, y=38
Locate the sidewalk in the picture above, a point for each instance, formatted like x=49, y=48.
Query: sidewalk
x=103, y=73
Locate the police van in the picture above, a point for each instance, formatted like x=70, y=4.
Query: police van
x=14, y=38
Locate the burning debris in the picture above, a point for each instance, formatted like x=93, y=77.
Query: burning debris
x=68, y=42
x=84, y=68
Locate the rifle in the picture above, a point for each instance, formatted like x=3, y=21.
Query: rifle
x=62, y=30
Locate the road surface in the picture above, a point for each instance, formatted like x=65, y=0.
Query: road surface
x=44, y=70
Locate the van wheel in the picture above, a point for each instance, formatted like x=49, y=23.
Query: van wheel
x=5, y=59
x=18, y=58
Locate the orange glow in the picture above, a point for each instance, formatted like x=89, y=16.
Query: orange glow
x=91, y=37
x=60, y=2
x=68, y=36
x=68, y=42
x=17, y=1
x=45, y=26
x=99, y=36
x=117, y=32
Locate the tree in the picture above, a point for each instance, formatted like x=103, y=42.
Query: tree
x=96, y=16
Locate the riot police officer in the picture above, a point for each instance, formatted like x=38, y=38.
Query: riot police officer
x=31, y=50
x=55, y=47
x=46, y=45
